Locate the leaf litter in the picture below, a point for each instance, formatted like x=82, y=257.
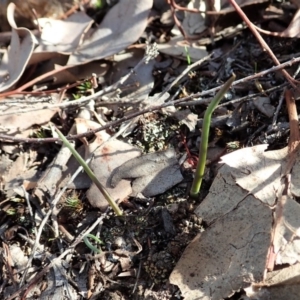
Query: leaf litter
x=248, y=243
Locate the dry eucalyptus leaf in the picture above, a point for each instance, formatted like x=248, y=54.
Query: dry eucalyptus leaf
x=263, y=104
x=141, y=82
x=177, y=47
x=229, y=255
x=154, y=173
x=19, y=260
x=295, y=177
x=289, y=275
x=18, y=122
x=187, y=117
x=282, y=292
x=108, y=155
x=196, y=23
x=63, y=36
x=278, y=285
x=222, y=198
x=122, y=26
x=232, y=253
x=287, y=232
x=16, y=58
x=258, y=171
x=16, y=173
x=292, y=31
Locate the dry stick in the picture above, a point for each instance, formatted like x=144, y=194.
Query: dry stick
x=8, y=138
x=185, y=71
x=280, y=102
x=262, y=42
x=83, y=100
x=294, y=141
x=284, y=192
x=241, y=99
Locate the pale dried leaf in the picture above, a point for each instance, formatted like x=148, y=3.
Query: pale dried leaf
x=289, y=275
x=178, y=48
x=295, y=177
x=222, y=198
x=63, y=36
x=15, y=60
x=141, y=82
x=229, y=255
x=194, y=23
x=187, y=117
x=17, y=122
x=282, y=292
x=122, y=26
x=263, y=104
x=18, y=258
x=286, y=242
x=257, y=171
x=154, y=173
x=278, y=285
x=16, y=173
x=108, y=155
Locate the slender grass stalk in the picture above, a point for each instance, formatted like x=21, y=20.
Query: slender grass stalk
x=205, y=134
x=90, y=173
x=188, y=57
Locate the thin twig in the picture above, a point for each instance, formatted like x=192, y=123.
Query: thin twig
x=8, y=138
x=84, y=100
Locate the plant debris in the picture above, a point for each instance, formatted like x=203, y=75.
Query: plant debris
x=128, y=84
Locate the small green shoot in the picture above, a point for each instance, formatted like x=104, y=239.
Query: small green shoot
x=83, y=88
x=205, y=134
x=41, y=132
x=11, y=211
x=256, y=82
x=87, y=242
x=74, y=203
x=100, y=4
x=188, y=58
x=90, y=173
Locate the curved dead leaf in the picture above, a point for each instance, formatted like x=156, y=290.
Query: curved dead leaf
x=108, y=155
x=16, y=58
x=63, y=36
x=154, y=173
x=122, y=25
